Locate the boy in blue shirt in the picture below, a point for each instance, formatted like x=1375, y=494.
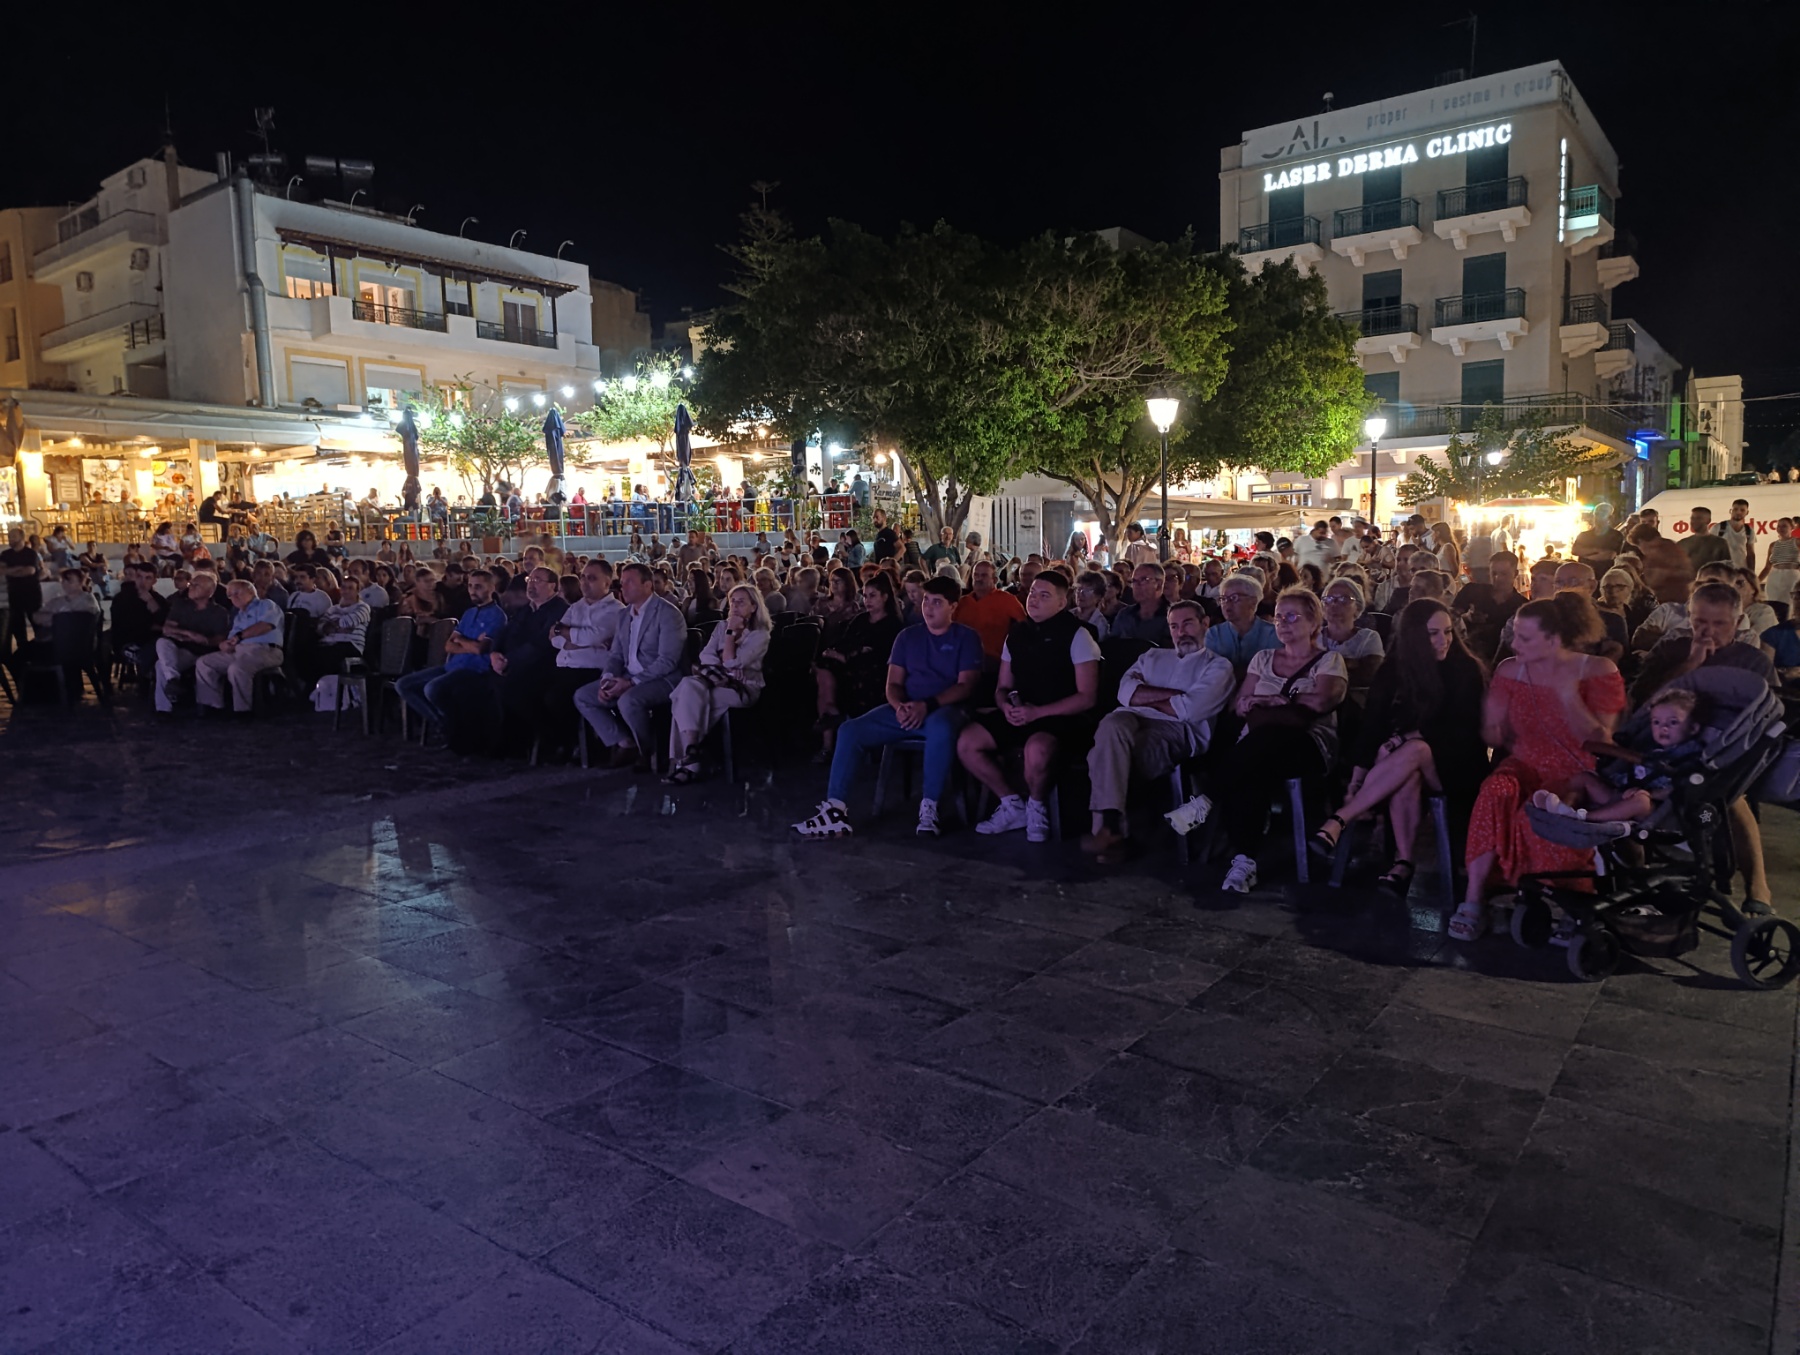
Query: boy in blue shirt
x=932, y=671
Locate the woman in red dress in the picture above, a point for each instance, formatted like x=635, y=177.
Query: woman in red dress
x=1545, y=704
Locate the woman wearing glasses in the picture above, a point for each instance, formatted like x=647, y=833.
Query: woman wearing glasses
x=1288, y=702
x=1361, y=650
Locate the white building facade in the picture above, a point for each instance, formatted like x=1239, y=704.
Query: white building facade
x=1468, y=233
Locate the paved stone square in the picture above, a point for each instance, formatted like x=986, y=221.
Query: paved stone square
x=312, y=1042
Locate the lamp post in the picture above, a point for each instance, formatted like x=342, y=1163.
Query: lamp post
x=1163, y=409
x=1374, y=427
x=1494, y=459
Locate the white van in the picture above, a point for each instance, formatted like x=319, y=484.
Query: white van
x=1767, y=504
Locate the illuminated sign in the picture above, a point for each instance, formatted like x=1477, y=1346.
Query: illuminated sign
x=1392, y=157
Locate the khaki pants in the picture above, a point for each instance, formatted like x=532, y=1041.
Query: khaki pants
x=241, y=666
x=1126, y=743
x=171, y=662
x=696, y=706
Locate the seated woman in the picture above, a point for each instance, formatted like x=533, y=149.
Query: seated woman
x=338, y=634
x=1288, y=701
x=1361, y=650
x=852, y=673
x=730, y=675
x=702, y=605
x=164, y=546
x=1421, y=728
x=839, y=606
x=420, y=602
x=1546, y=704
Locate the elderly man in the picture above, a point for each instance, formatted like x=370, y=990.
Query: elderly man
x=640, y=671
x=944, y=549
x=1146, y=616
x=1714, y=642
x=1168, y=701
x=252, y=645
x=195, y=624
x=1243, y=633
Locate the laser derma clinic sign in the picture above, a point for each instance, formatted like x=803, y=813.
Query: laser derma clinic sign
x=1389, y=157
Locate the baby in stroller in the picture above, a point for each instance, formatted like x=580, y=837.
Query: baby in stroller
x=1628, y=785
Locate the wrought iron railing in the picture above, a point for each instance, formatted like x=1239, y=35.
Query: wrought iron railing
x=506, y=333
x=1375, y=216
x=143, y=333
x=1493, y=196
x=1590, y=200
x=379, y=312
x=1374, y=320
x=1587, y=309
x=1473, y=307
x=1561, y=410
x=1296, y=230
x=1620, y=335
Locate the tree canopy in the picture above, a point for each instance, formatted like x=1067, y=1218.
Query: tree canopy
x=638, y=407
x=1534, y=459
x=483, y=445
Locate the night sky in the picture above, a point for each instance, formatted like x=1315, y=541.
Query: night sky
x=638, y=133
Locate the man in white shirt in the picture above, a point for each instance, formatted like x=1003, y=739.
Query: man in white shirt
x=1317, y=548
x=1139, y=549
x=1168, y=701
x=582, y=639
x=307, y=596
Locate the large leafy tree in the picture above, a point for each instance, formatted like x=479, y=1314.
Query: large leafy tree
x=637, y=407
x=484, y=442
x=1274, y=382
x=1535, y=458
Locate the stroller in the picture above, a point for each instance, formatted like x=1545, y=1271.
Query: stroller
x=1652, y=879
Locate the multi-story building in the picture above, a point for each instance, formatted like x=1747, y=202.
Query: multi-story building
x=28, y=308
x=1468, y=233
x=107, y=257
x=357, y=307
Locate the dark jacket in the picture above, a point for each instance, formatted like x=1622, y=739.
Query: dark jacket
x=1452, y=732
x=1130, y=623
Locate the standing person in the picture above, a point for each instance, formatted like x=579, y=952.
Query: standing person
x=886, y=545
x=944, y=549
x=1139, y=549
x=1738, y=532
x=1600, y=544
x=931, y=673
x=1667, y=571
x=1781, y=563
x=729, y=677
x=1702, y=545
x=252, y=645
x=1547, y=702
x=1317, y=548
x=24, y=584
x=1288, y=702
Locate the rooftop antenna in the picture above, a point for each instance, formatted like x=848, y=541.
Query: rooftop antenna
x=1330, y=99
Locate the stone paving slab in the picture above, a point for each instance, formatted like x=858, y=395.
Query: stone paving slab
x=506, y=1059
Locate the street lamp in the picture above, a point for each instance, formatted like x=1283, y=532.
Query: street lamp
x=1493, y=458
x=1163, y=409
x=1374, y=426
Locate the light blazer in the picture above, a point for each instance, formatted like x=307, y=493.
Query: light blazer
x=661, y=642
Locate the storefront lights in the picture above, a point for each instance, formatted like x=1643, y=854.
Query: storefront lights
x=538, y=400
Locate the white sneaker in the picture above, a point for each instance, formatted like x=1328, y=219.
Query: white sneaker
x=928, y=824
x=829, y=820
x=1008, y=816
x=1189, y=816
x=1241, y=878
x=1037, y=821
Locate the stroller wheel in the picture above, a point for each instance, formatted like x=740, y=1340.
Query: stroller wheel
x=1593, y=954
x=1765, y=952
x=1531, y=921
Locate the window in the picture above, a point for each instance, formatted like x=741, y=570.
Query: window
x=307, y=289
x=390, y=387
x=5, y=261
x=1381, y=290
x=1381, y=185
x=1385, y=387
x=1484, y=275
x=1287, y=204
x=84, y=282
x=456, y=298
x=136, y=177
x=1483, y=383
x=521, y=316
x=140, y=260
x=12, y=335
x=1485, y=164
x=319, y=379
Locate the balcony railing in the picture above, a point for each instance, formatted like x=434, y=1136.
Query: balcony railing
x=1590, y=200
x=380, y=313
x=1375, y=320
x=143, y=333
x=1297, y=230
x=1622, y=246
x=1589, y=309
x=1473, y=307
x=1375, y=216
x=1620, y=336
x=78, y=222
x=1562, y=410
x=1494, y=196
x=537, y=338
x=458, y=308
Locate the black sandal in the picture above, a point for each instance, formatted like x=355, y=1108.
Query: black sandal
x=1327, y=846
x=683, y=775
x=1398, y=879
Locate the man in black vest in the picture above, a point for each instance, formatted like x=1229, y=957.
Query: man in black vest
x=1049, y=681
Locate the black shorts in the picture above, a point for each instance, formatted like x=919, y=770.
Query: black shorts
x=1073, y=732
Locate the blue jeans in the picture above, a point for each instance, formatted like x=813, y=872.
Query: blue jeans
x=880, y=727
x=421, y=691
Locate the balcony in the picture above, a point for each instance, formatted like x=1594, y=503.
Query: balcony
x=1587, y=221
x=1561, y=410
x=1473, y=317
x=86, y=237
x=1617, y=355
x=1357, y=232
x=1617, y=261
x=1583, y=328
x=1297, y=238
x=145, y=333
x=1481, y=208
x=537, y=338
x=380, y=313
x=1393, y=330
x=110, y=329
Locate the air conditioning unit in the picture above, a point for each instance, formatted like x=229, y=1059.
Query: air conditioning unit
x=136, y=177
x=140, y=260
x=84, y=282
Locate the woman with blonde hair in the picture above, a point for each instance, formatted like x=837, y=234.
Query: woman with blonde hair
x=729, y=675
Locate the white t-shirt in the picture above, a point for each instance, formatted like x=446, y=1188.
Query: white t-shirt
x=1320, y=554
x=1265, y=681
x=315, y=603
x=1083, y=648
x=1362, y=644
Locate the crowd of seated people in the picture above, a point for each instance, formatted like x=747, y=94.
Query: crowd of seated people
x=1377, y=672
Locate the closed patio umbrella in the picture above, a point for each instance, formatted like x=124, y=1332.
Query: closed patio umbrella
x=409, y=451
x=684, y=455
x=553, y=447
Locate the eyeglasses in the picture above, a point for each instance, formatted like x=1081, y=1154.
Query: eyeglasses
x=1339, y=597
x=1293, y=618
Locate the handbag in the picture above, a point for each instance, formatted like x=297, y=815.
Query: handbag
x=1291, y=715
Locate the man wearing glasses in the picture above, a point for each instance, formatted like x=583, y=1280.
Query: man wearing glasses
x=1244, y=632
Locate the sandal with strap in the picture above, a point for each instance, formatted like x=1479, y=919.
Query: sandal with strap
x=682, y=775
x=1469, y=922
x=1323, y=843
x=1398, y=878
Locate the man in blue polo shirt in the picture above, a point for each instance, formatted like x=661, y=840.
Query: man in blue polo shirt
x=253, y=644
x=932, y=671
x=464, y=652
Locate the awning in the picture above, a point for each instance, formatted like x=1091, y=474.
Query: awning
x=321, y=244
x=1231, y=514
x=124, y=418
